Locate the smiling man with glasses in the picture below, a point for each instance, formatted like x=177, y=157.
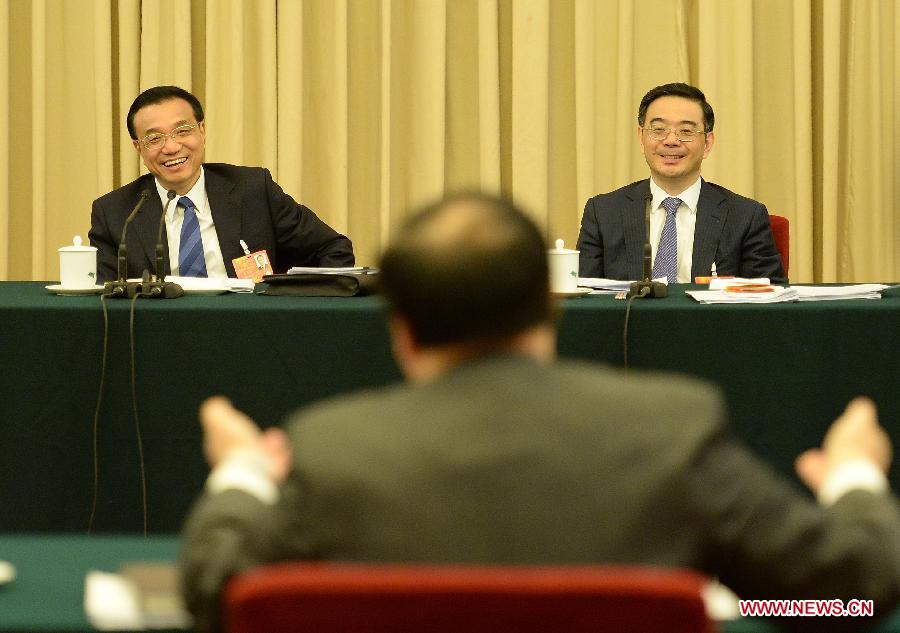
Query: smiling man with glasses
x=696, y=227
x=216, y=206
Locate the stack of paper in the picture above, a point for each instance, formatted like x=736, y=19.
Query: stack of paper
x=240, y=285
x=142, y=596
x=608, y=286
x=830, y=293
x=211, y=285
x=778, y=294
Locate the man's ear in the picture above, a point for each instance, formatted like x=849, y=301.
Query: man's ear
x=709, y=141
x=403, y=343
x=137, y=145
x=417, y=362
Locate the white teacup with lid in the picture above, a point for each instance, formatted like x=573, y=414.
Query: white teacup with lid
x=77, y=266
x=563, y=263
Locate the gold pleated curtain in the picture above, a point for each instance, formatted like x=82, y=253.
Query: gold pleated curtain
x=363, y=109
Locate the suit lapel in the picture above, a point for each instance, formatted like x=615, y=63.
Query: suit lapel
x=633, y=227
x=711, y=215
x=226, y=216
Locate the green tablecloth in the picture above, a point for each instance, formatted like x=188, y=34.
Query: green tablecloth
x=786, y=369
x=48, y=594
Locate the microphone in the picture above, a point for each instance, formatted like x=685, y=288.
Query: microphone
x=647, y=287
x=648, y=250
x=159, y=236
x=119, y=288
x=156, y=287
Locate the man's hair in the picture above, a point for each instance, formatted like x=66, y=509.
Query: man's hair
x=158, y=94
x=468, y=268
x=678, y=90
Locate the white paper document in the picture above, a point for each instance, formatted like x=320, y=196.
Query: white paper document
x=830, y=293
x=780, y=294
x=211, y=285
x=608, y=286
x=112, y=602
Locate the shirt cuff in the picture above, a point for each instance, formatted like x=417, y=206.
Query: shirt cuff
x=858, y=474
x=247, y=470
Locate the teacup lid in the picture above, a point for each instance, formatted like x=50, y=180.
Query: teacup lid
x=561, y=249
x=77, y=247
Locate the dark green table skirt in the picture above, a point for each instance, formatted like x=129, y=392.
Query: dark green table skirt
x=786, y=369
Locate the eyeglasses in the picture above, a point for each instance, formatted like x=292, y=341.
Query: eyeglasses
x=683, y=134
x=156, y=140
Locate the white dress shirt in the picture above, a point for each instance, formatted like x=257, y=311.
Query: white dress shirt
x=685, y=221
x=212, y=253
x=247, y=469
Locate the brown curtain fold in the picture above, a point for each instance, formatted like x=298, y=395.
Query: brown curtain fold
x=363, y=109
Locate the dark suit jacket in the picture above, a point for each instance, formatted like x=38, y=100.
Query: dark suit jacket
x=731, y=230
x=246, y=205
x=507, y=461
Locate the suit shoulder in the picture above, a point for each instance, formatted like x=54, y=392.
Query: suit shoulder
x=361, y=406
x=675, y=405
x=632, y=190
x=733, y=198
x=126, y=194
x=668, y=384
x=235, y=172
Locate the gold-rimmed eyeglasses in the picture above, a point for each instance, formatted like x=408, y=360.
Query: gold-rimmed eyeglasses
x=156, y=140
x=683, y=134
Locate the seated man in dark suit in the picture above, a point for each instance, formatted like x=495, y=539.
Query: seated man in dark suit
x=495, y=453
x=696, y=228
x=217, y=206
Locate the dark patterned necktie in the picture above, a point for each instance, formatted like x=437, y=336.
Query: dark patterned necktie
x=666, y=262
x=191, y=262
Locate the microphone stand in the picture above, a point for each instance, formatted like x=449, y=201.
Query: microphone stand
x=156, y=287
x=120, y=288
x=647, y=287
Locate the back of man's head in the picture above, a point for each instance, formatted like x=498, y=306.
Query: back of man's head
x=470, y=268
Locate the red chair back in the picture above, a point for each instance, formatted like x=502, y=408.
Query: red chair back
x=360, y=598
x=781, y=231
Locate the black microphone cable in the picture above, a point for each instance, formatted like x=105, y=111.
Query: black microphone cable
x=136, y=417
x=137, y=422
x=96, y=426
x=643, y=292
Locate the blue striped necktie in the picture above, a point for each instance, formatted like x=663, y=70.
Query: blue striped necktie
x=666, y=262
x=191, y=262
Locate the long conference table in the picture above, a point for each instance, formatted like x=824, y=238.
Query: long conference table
x=48, y=594
x=786, y=370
